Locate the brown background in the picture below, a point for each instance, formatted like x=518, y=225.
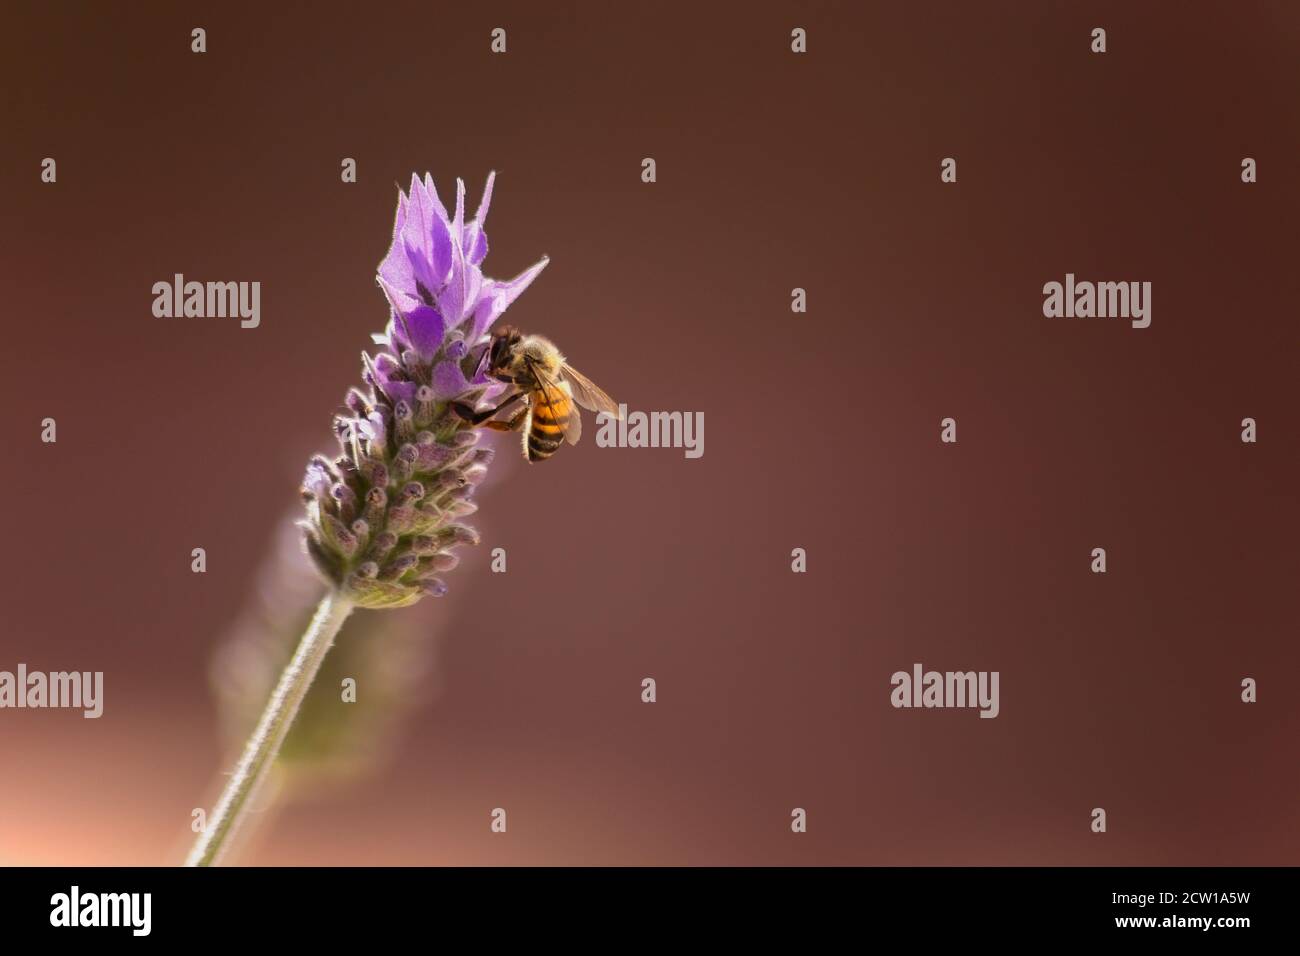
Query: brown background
x=775, y=171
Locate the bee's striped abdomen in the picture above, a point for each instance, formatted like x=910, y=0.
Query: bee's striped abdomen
x=546, y=424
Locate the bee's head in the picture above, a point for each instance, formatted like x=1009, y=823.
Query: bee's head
x=504, y=353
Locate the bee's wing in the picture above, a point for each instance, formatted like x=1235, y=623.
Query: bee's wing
x=547, y=389
x=588, y=394
x=573, y=427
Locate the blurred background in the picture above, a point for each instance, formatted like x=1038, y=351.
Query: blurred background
x=775, y=171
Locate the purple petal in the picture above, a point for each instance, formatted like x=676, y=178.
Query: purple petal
x=318, y=479
x=426, y=241
x=441, y=251
x=512, y=289
x=395, y=273
x=475, y=239
x=473, y=289
x=388, y=368
x=399, y=301
x=462, y=289
x=434, y=202
x=449, y=381
x=456, y=350
x=426, y=330
x=455, y=296
x=416, y=231
x=395, y=268
x=424, y=281
x=476, y=244
x=480, y=215
x=458, y=224
x=403, y=392
x=420, y=256
x=485, y=313
x=392, y=381
x=399, y=221
x=375, y=429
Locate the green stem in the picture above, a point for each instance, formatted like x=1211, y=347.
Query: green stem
x=264, y=744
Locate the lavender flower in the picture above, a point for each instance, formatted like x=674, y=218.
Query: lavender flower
x=382, y=519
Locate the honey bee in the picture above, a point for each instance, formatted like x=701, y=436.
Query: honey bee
x=546, y=384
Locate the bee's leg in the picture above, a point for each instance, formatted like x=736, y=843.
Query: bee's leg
x=479, y=418
x=512, y=425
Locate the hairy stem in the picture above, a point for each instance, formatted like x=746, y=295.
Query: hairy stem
x=262, y=747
